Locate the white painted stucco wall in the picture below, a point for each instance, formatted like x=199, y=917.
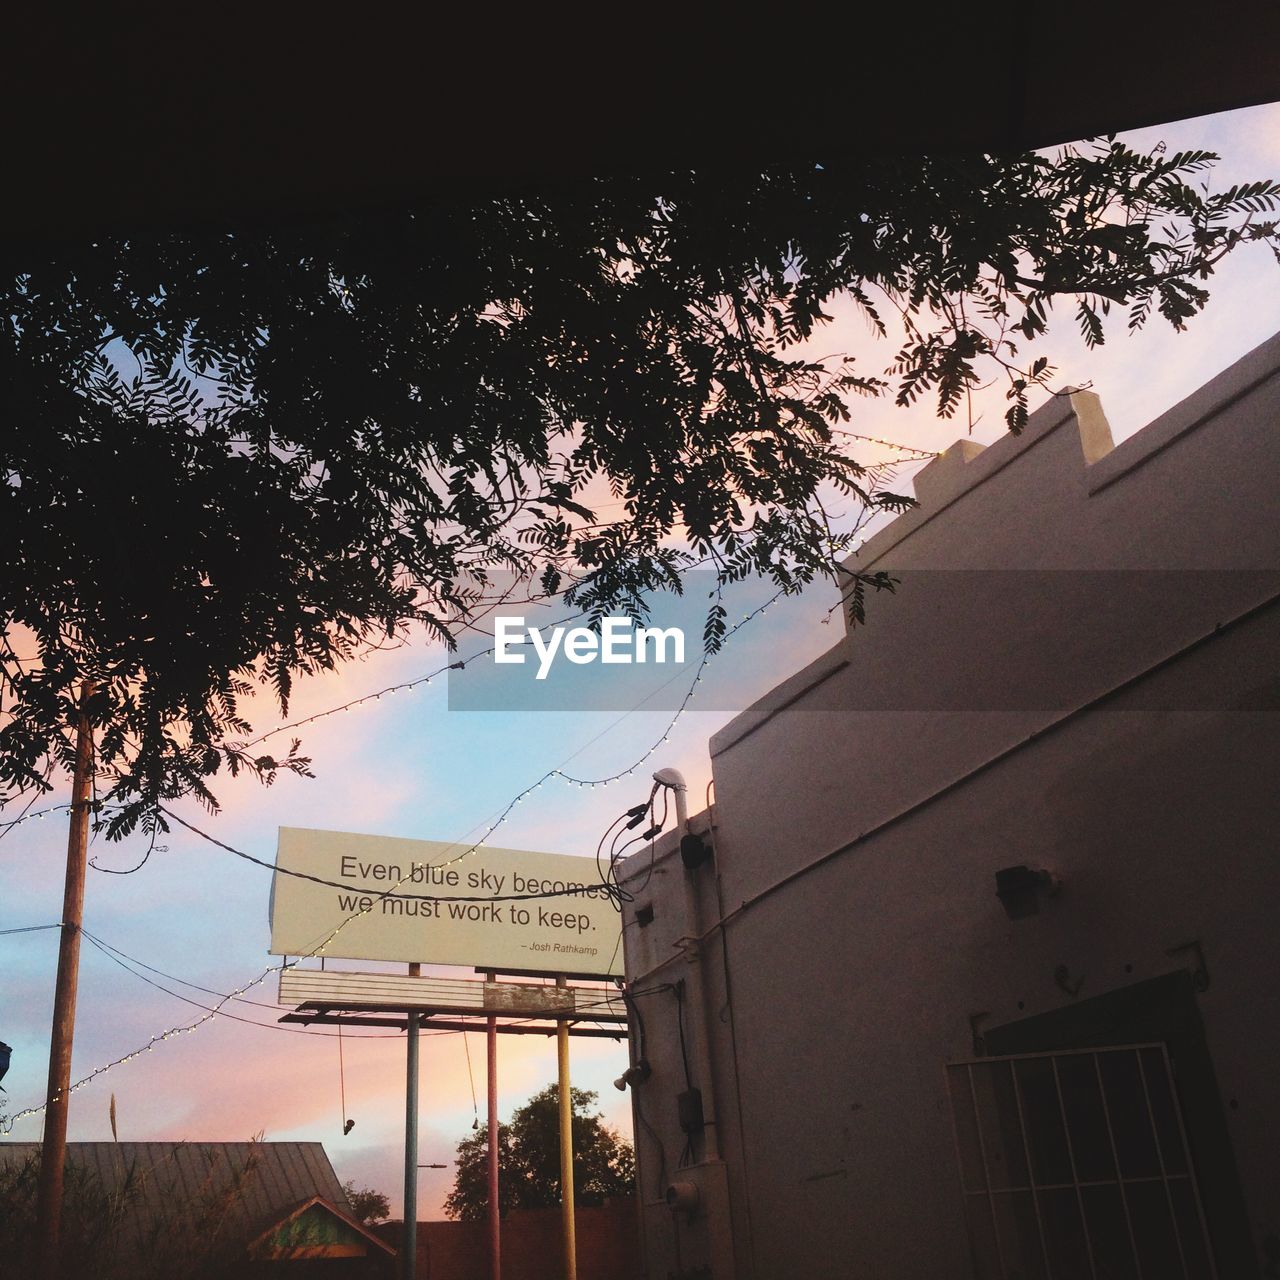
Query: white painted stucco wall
x=1119, y=727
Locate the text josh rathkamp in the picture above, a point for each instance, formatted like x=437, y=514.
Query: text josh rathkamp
x=618, y=641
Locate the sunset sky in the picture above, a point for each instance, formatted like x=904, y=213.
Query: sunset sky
x=405, y=765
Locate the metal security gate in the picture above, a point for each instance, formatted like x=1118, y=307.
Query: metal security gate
x=1075, y=1166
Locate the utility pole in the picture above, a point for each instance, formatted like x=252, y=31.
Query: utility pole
x=53, y=1152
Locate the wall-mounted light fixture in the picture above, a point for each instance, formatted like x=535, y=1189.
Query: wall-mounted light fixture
x=1021, y=888
x=635, y=1074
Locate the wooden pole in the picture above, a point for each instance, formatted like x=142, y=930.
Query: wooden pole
x=566, y=1148
x=495, y=1205
x=53, y=1152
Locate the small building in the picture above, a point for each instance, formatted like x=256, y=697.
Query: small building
x=138, y=1210
x=977, y=978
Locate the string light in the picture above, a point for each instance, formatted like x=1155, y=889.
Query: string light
x=96, y=807
x=99, y=807
x=160, y=1037
x=7, y=1123
x=459, y=664
x=888, y=444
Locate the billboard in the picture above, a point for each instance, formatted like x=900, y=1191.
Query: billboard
x=384, y=898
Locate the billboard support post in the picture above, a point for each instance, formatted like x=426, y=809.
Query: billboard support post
x=411, y=1144
x=495, y=1206
x=565, y=1092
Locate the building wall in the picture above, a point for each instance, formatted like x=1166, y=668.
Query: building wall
x=1078, y=671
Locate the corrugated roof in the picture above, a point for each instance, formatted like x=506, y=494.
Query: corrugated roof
x=170, y=1188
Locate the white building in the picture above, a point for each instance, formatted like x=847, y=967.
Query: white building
x=910, y=1078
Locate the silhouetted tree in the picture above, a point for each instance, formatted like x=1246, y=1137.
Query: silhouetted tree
x=366, y=1204
x=529, y=1159
x=241, y=457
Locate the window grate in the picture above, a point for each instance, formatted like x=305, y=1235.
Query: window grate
x=1075, y=1166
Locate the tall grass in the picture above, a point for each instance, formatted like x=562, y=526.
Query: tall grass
x=142, y=1224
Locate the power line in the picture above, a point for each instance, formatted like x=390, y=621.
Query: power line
x=209, y=1012
x=517, y=799
x=170, y=1034
x=390, y=690
x=99, y=807
x=403, y=686
x=195, y=986
x=126, y=961
x=212, y=1011
x=222, y=1013
x=390, y=893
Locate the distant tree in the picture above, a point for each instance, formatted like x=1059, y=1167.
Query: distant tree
x=244, y=455
x=529, y=1159
x=469, y=1198
x=366, y=1204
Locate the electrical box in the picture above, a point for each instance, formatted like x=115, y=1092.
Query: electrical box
x=689, y=1109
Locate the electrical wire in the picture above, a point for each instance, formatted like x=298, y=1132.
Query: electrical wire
x=551, y=774
x=630, y=820
x=678, y=988
x=22, y=816
x=342, y=1084
x=633, y=1009
x=600, y=871
x=422, y=681
x=920, y=454
x=651, y=835
x=457, y=665
x=210, y=1012
x=213, y=1009
x=142, y=862
x=40, y=814
x=391, y=690
x=579, y=891
x=170, y=977
x=123, y=956
x=466, y=1044
x=126, y=962
x=7, y=1122
x=102, y=807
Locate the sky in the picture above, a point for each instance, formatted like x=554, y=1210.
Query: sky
x=408, y=765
